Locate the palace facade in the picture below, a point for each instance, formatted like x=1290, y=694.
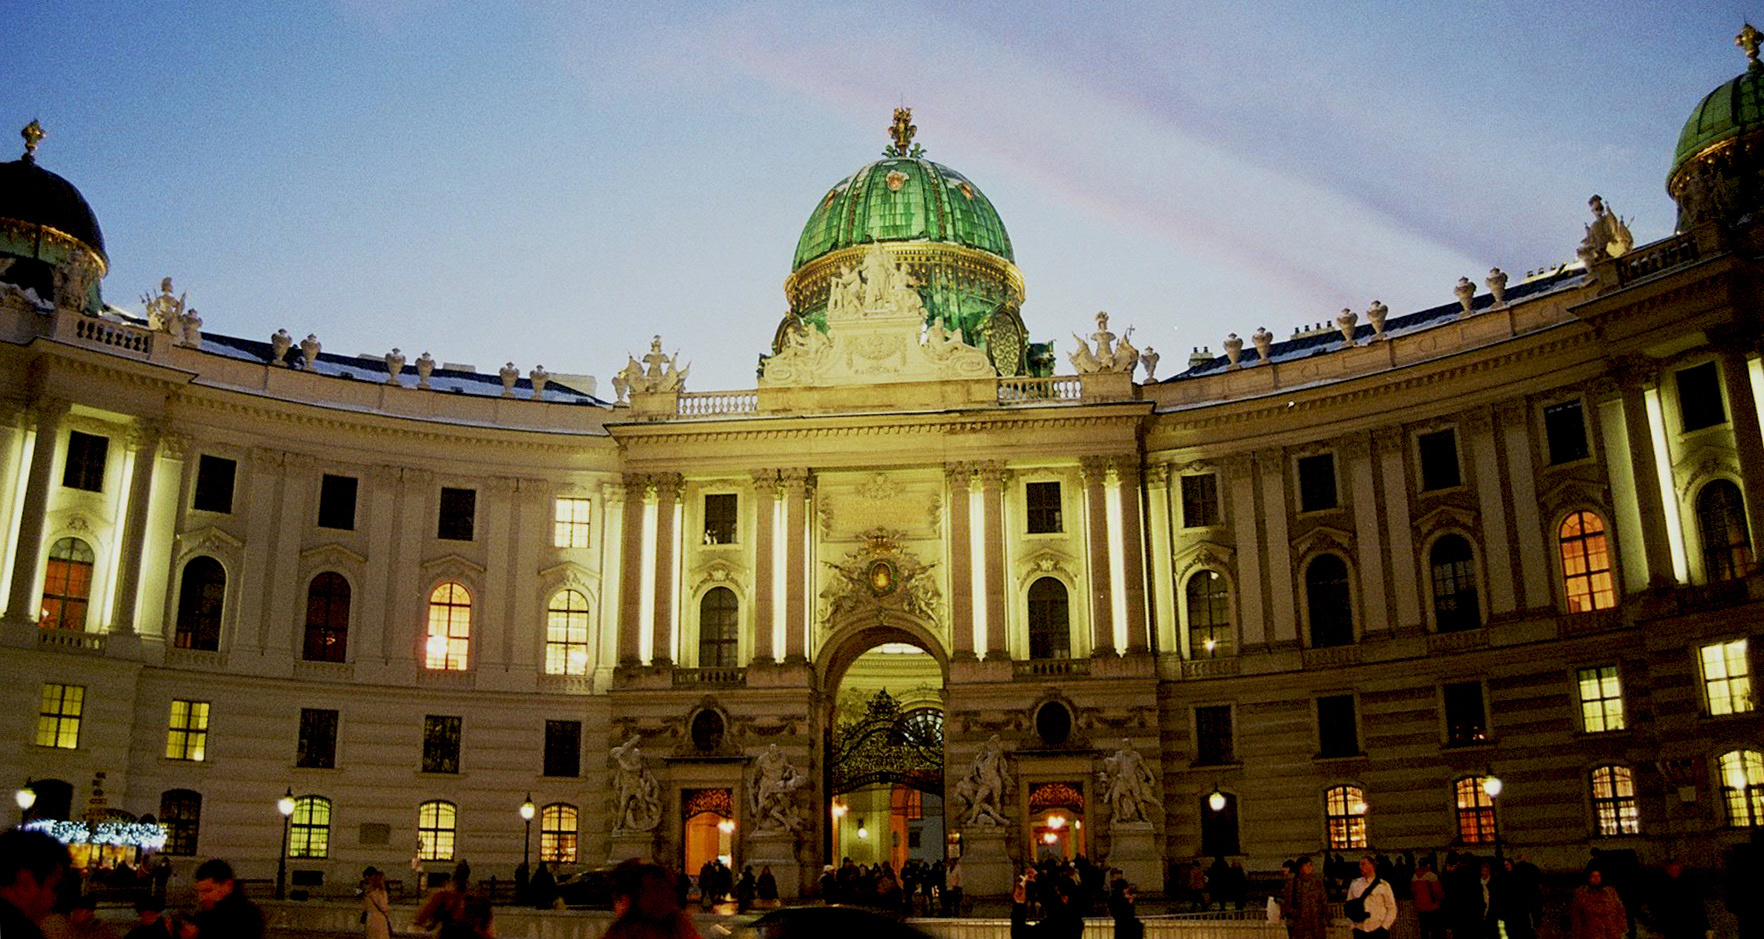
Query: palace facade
x=1325, y=586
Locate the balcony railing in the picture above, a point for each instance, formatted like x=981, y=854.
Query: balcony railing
x=1210, y=668
x=710, y=403
x=721, y=677
x=1668, y=254
x=115, y=336
x=1037, y=390
x=1332, y=656
x=70, y=640
x=1050, y=668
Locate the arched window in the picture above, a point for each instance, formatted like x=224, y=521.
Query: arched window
x=67, y=585
x=327, y=618
x=180, y=811
x=309, y=829
x=1344, y=812
x=1742, y=787
x=566, y=634
x=203, y=590
x=719, y=628
x=1455, y=605
x=1586, y=563
x=1476, y=811
x=450, y=628
x=557, y=833
x=1329, y=602
x=1050, y=624
x=1613, y=797
x=435, y=824
x=1721, y=520
x=1208, y=602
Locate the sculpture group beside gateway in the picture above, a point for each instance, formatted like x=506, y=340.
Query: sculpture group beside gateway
x=1307, y=595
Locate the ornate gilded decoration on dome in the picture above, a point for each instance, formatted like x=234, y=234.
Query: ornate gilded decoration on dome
x=902, y=131
x=33, y=134
x=1007, y=341
x=896, y=181
x=1748, y=39
x=966, y=190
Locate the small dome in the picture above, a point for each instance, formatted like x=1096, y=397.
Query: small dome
x=37, y=197
x=1718, y=167
x=1733, y=109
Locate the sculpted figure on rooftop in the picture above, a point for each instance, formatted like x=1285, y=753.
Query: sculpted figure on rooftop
x=164, y=310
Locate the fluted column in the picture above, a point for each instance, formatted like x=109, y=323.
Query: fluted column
x=144, y=440
x=631, y=571
x=959, y=479
x=27, y=555
x=1163, y=608
x=765, y=507
x=1748, y=442
x=661, y=636
x=992, y=476
x=1132, y=554
x=1095, y=471
x=796, y=483
x=1632, y=377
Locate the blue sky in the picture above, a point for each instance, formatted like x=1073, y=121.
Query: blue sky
x=551, y=182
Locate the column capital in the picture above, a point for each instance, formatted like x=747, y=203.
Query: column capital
x=1478, y=420
x=414, y=477
x=1356, y=446
x=1512, y=410
x=1239, y=465
x=1741, y=339
x=1634, y=371
x=1127, y=469
x=1093, y=469
x=992, y=474
x=502, y=485
x=765, y=480
x=1157, y=475
x=612, y=492
x=958, y=474
x=378, y=475
x=794, y=479
x=143, y=435
x=264, y=458
x=303, y=461
x=1271, y=458
x=667, y=485
x=1390, y=438
x=45, y=411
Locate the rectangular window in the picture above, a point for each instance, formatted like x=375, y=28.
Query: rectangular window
x=180, y=811
x=318, y=739
x=1317, y=482
x=1213, y=745
x=85, y=461
x=1727, y=678
x=719, y=518
x=58, y=719
x=214, y=484
x=187, y=736
x=337, y=502
x=1601, y=699
x=1338, y=734
x=1699, y=397
x=458, y=508
x=1042, y=504
x=569, y=526
x=440, y=744
x=1439, y=460
x=1200, y=501
x=1466, y=719
x=1565, y=432
x=563, y=748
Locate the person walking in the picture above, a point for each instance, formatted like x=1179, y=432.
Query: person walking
x=1304, y=903
x=1428, y=895
x=1597, y=912
x=376, y=906
x=643, y=905
x=1378, y=900
x=225, y=913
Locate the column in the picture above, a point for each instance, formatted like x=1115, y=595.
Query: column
x=496, y=531
x=1633, y=374
x=1368, y=535
x=1240, y=480
x=377, y=515
x=959, y=481
x=259, y=510
x=765, y=507
x=796, y=483
x=1094, y=471
x=1748, y=444
x=1534, y=559
x=144, y=441
x=667, y=500
x=1389, y=444
x=1271, y=465
x=1157, y=501
x=532, y=510
x=631, y=571
x=1132, y=553
x=27, y=555
x=1491, y=494
x=992, y=550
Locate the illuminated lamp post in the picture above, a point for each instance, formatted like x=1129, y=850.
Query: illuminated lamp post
x=527, y=811
x=1492, y=785
x=25, y=798
x=284, y=805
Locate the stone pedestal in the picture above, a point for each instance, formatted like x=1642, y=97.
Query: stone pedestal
x=987, y=870
x=630, y=844
x=775, y=848
x=1133, y=848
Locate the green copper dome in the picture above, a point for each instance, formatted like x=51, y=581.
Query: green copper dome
x=1734, y=108
x=902, y=199
x=1719, y=164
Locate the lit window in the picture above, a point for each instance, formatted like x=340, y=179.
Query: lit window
x=1208, y=602
x=1476, y=812
x=58, y=719
x=187, y=738
x=1586, y=563
x=1721, y=522
x=1742, y=787
x=1601, y=699
x=450, y=628
x=435, y=823
x=569, y=529
x=1344, y=808
x=718, y=628
x=557, y=834
x=309, y=830
x=327, y=618
x=566, y=634
x=67, y=585
x=1613, y=794
x=1727, y=677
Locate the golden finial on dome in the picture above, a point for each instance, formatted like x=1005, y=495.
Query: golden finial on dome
x=1749, y=40
x=32, y=133
x=902, y=130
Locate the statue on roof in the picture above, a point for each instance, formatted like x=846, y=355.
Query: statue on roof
x=165, y=311
x=1107, y=355
x=658, y=372
x=1607, y=237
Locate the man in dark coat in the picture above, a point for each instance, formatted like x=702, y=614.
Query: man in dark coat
x=1676, y=909
x=31, y=867
x=225, y=913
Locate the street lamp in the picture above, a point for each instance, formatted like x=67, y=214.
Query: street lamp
x=25, y=798
x=1216, y=801
x=527, y=811
x=1492, y=785
x=284, y=805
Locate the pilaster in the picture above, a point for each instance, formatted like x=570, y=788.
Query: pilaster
x=992, y=477
x=1240, y=483
x=765, y=503
x=1094, y=472
x=1491, y=493
x=667, y=503
x=1132, y=552
x=1389, y=445
x=1368, y=534
x=796, y=521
